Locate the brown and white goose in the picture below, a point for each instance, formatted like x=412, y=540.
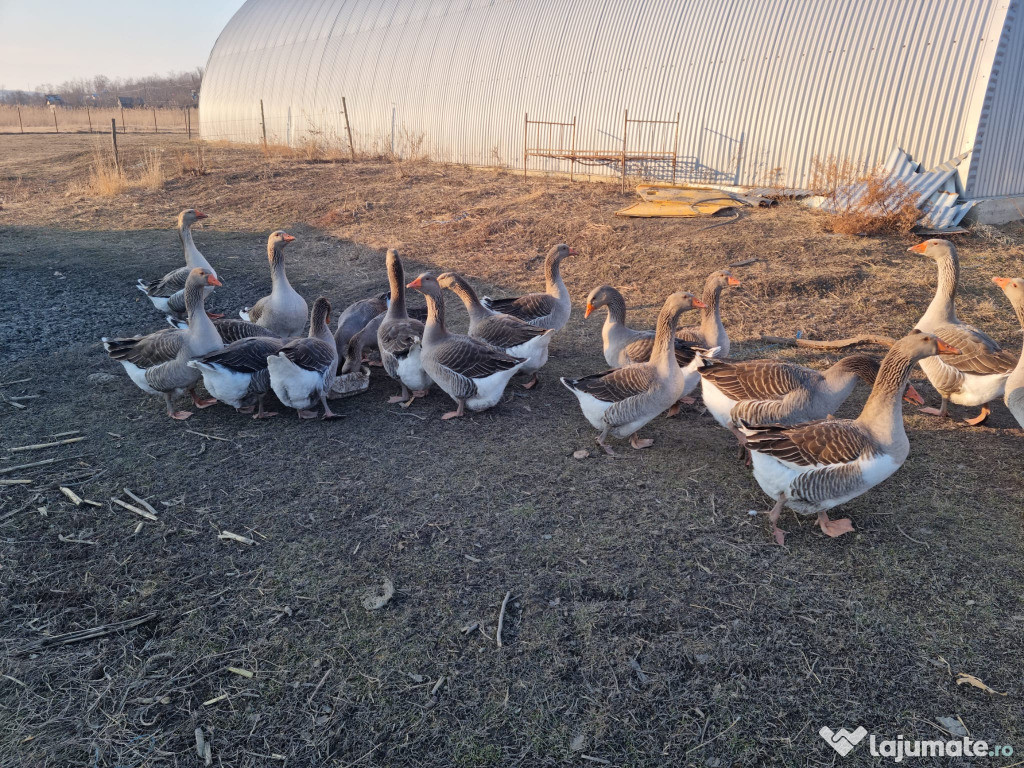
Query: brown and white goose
x=1013, y=287
x=774, y=392
x=620, y=402
x=168, y=293
x=284, y=311
x=400, y=339
x=711, y=332
x=238, y=373
x=545, y=310
x=514, y=336
x=230, y=328
x=472, y=372
x=978, y=374
x=303, y=370
x=816, y=466
x=158, y=363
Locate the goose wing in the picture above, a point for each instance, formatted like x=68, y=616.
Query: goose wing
x=472, y=358
x=167, y=285
x=245, y=355
x=398, y=337
x=147, y=351
x=231, y=330
x=979, y=354
x=310, y=354
x=830, y=441
x=255, y=312
x=753, y=379
x=505, y=331
x=532, y=306
x=640, y=350
x=619, y=384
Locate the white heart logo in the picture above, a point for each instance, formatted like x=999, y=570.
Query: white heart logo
x=842, y=741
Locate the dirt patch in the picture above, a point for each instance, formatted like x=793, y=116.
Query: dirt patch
x=652, y=621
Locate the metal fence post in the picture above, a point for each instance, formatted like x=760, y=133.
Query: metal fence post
x=348, y=128
x=20, y=124
x=263, y=122
x=113, y=140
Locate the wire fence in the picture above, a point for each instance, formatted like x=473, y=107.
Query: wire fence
x=56, y=120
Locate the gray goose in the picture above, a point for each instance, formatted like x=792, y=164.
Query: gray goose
x=621, y=401
x=473, y=373
x=354, y=319
x=624, y=345
x=168, y=293
x=158, y=363
x=774, y=392
x=303, y=370
x=978, y=374
x=231, y=329
x=1013, y=287
x=816, y=466
x=400, y=338
x=545, y=310
x=515, y=337
x=284, y=311
x=711, y=332
x=238, y=373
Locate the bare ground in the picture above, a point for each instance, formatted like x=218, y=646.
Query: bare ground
x=652, y=621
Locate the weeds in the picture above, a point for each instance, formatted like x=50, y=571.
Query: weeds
x=868, y=203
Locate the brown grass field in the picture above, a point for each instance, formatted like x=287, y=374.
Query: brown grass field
x=79, y=120
x=652, y=621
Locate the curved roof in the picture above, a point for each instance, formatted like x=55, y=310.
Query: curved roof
x=762, y=87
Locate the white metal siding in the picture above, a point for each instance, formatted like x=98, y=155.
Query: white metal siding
x=760, y=84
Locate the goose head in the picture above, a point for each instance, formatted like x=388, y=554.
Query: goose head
x=936, y=248
x=1013, y=287
x=278, y=239
x=188, y=217
x=559, y=252
x=723, y=278
x=200, y=276
x=426, y=284
x=602, y=296
x=918, y=345
x=450, y=280
x=320, y=316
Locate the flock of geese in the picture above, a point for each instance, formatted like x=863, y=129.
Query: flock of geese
x=802, y=457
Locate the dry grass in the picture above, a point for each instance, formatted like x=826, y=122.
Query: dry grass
x=151, y=173
x=192, y=160
x=104, y=178
x=885, y=207
x=77, y=120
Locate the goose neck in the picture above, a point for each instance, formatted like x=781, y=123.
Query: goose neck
x=434, y=330
x=942, y=310
x=883, y=411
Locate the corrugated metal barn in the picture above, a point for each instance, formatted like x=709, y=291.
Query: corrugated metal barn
x=727, y=91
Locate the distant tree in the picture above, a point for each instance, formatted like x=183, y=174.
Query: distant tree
x=175, y=89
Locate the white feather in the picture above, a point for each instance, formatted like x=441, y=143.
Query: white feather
x=224, y=384
x=410, y=370
x=294, y=386
x=490, y=388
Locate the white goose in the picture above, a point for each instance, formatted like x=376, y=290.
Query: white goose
x=168, y=293
x=284, y=311
x=816, y=466
x=303, y=370
x=978, y=374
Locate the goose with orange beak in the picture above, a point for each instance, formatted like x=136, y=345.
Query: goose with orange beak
x=1013, y=287
x=158, y=363
x=978, y=374
x=284, y=311
x=711, y=331
x=168, y=293
x=816, y=466
x=472, y=372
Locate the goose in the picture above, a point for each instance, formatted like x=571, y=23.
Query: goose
x=1013, y=287
x=400, y=339
x=238, y=373
x=284, y=311
x=545, y=310
x=158, y=363
x=978, y=375
x=354, y=319
x=621, y=401
x=472, y=372
x=231, y=329
x=816, y=466
x=711, y=332
x=515, y=337
x=168, y=293
x=303, y=370
x=774, y=392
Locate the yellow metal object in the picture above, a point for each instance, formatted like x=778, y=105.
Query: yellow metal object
x=666, y=201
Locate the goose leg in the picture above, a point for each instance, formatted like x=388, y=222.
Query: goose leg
x=640, y=443
x=262, y=414
x=402, y=398
x=246, y=409
x=533, y=382
x=672, y=412
x=176, y=415
x=773, y=518
x=601, y=441
x=200, y=402
x=328, y=413
x=458, y=412
x=942, y=412
x=304, y=414
x=834, y=528
x=981, y=418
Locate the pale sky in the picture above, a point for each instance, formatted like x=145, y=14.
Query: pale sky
x=50, y=41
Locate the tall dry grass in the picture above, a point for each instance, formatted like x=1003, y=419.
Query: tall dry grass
x=883, y=207
x=77, y=120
